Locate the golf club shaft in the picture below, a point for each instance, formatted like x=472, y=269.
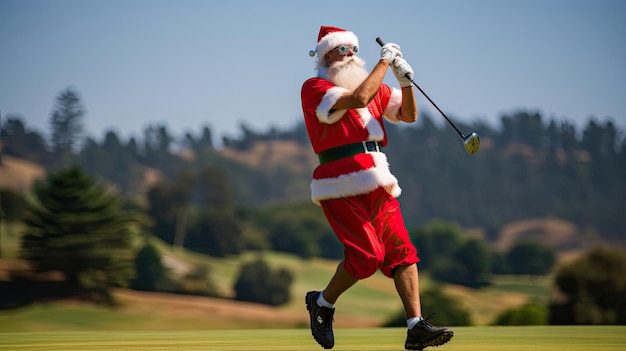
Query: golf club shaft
x=381, y=43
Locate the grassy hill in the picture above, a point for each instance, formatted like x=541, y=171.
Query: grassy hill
x=368, y=304
x=363, y=306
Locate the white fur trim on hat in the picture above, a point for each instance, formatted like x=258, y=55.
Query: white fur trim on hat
x=333, y=40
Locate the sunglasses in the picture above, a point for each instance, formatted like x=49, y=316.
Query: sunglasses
x=344, y=49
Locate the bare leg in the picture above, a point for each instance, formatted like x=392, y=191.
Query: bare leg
x=339, y=283
x=407, y=284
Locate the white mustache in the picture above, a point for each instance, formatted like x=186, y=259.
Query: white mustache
x=348, y=73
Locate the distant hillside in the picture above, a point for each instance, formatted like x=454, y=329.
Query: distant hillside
x=274, y=153
x=19, y=174
x=564, y=236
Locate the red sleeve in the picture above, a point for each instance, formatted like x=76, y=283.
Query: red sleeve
x=313, y=90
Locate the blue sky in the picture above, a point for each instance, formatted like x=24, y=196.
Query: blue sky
x=188, y=63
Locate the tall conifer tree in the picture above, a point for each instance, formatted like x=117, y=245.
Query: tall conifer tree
x=78, y=227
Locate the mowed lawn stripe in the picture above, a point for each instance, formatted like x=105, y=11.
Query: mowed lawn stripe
x=535, y=338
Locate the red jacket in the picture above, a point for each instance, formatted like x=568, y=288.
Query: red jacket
x=361, y=173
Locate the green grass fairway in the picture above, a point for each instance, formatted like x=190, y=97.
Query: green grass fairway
x=579, y=338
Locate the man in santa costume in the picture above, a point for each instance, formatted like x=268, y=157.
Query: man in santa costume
x=343, y=107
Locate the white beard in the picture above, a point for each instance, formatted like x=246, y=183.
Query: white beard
x=348, y=73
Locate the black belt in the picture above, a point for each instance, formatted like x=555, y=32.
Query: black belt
x=348, y=150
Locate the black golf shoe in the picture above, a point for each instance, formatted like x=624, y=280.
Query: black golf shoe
x=424, y=334
x=321, y=321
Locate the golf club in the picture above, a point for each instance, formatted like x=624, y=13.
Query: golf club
x=471, y=142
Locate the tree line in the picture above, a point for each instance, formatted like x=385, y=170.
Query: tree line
x=529, y=167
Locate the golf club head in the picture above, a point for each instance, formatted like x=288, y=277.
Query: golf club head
x=471, y=143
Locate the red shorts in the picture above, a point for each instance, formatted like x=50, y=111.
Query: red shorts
x=372, y=231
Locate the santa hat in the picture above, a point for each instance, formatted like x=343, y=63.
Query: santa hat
x=331, y=37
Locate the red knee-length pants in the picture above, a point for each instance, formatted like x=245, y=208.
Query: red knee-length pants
x=372, y=231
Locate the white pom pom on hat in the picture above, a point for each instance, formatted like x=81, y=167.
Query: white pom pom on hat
x=331, y=37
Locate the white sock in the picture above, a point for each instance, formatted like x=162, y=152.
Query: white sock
x=411, y=322
x=321, y=301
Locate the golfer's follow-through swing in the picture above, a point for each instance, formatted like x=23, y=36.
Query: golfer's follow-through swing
x=344, y=106
x=471, y=142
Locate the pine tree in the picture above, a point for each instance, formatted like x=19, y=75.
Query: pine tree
x=66, y=124
x=78, y=227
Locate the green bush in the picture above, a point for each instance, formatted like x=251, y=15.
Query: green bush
x=529, y=314
x=530, y=257
x=257, y=282
x=149, y=269
x=591, y=289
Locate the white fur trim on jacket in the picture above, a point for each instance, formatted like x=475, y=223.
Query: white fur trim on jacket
x=357, y=183
x=392, y=112
x=371, y=124
x=375, y=131
x=327, y=103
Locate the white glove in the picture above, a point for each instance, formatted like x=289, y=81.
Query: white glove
x=400, y=69
x=389, y=52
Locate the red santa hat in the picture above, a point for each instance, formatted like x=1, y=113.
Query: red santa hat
x=331, y=37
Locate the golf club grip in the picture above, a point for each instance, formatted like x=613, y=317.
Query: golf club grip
x=380, y=41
